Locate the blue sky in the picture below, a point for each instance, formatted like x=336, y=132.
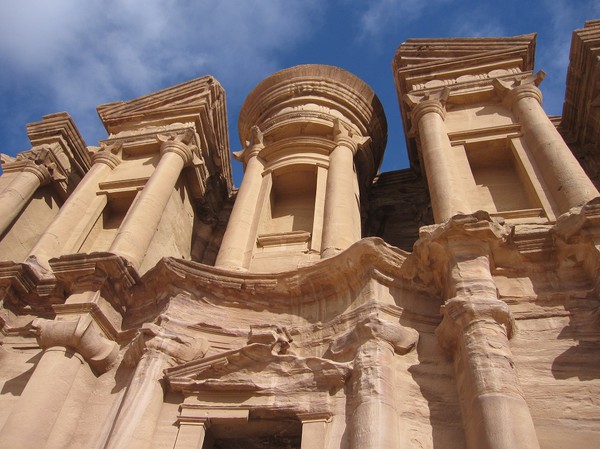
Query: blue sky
x=73, y=55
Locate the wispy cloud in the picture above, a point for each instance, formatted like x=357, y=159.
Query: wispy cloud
x=476, y=24
x=80, y=54
x=380, y=16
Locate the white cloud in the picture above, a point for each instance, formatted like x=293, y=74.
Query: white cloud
x=84, y=53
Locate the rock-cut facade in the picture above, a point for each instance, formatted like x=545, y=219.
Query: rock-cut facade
x=147, y=303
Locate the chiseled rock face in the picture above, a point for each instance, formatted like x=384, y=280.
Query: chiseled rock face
x=148, y=304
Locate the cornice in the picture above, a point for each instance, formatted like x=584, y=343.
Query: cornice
x=352, y=267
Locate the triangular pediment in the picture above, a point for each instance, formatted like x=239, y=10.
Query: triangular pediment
x=258, y=368
x=173, y=103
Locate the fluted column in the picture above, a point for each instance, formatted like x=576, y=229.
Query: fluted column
x=238, y=240
x=476, y=329
x=18, y=193
x=52, y=241
x=562, y=173
x=142, y=220
x=374, y=421
x=154, y=350
x=67, y=346
x=341, y=218
x=446, y=199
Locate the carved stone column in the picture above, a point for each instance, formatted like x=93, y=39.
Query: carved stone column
x=67, y=346
x=563, y=175
x=428, y=119
x=239, y=237
x=374, y=421
x=341, y=219
x=475, y=329
x=140, y=223
x=18, y=193
x=155, y=349
x=73, y=211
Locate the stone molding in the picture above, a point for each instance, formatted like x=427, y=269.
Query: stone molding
x=80, y=335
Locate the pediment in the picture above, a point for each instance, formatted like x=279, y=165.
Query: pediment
x=257, y=368
x=187, y=99
x=420, y=53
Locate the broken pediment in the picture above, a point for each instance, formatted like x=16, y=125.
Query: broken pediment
x=419, y=53
x=194, y=111
x=178, y=103
x=259, y=369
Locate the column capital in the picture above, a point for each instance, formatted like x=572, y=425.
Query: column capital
x=39, y=170
x=434, y=102
x=81, y=335
x=181, y=149
x=165, y=341
x=106, y=157
x=460, y=313
x=252, y=147
x=513, y=91
x=343, y=137
x=372, y=327
x=429, y=106
x=34, y=161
